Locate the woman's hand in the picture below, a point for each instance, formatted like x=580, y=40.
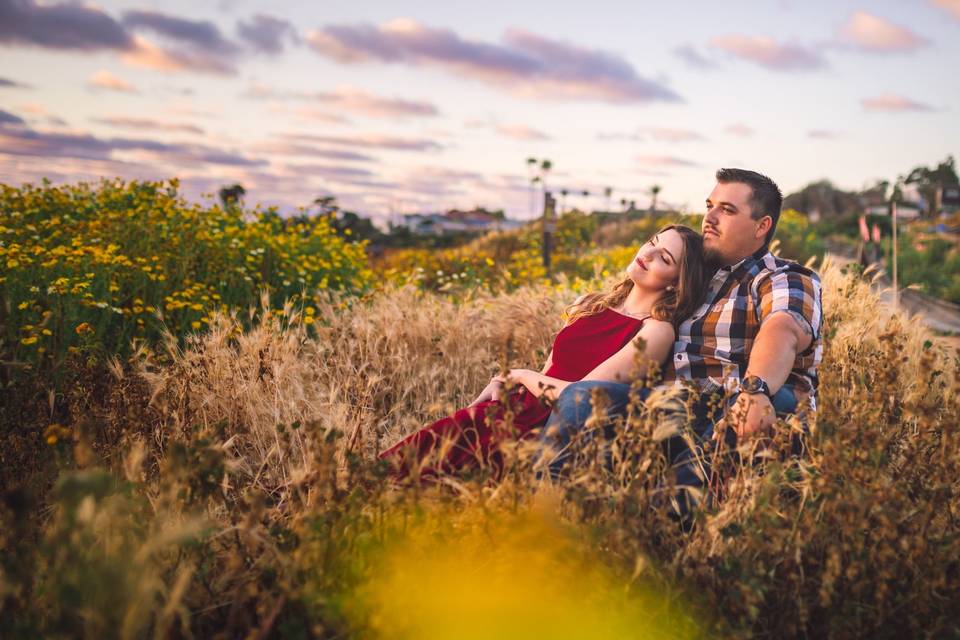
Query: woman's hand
x=493, y=391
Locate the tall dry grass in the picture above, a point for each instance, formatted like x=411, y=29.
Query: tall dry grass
x=249, y=497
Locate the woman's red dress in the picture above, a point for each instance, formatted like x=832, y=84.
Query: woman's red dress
x=470, y=437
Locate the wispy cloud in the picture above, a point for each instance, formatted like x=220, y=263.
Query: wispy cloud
x=267, y=34
x=739, y=129
x=872, y=33
x=368, y=141
x=694, y=58
x=148, y=124
x=950, y=6
x=823, y=134
x=769, y=53
x=665, y=161
x=30, y=142
x=521, y=132
x=350, y=100
x=103, y=79
x=655, y=134
x=7, y=83
x=291, y=148
x=9, y=118
x=893, y=102
x=525, y=64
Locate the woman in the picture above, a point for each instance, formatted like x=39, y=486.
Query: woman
x=663, y=285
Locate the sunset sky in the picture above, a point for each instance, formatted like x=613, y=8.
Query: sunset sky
x=439, y=104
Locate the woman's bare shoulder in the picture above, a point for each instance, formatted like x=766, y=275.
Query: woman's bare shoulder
x=652, y=326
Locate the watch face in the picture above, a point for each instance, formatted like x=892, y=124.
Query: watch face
x=752, y=384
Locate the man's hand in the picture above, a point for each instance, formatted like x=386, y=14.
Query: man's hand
x=751, y=415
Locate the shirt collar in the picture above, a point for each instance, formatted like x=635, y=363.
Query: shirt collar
x=754, y=257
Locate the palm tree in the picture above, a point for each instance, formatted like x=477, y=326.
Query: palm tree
x=623, y=204
x=607, y=192
x=585, y=194
x=231, y=196
x=563, y=199
x=654, y=190
x=327, y=204
x=545, y=166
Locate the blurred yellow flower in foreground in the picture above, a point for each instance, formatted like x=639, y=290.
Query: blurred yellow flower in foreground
x=83, y=327
x=477, y=574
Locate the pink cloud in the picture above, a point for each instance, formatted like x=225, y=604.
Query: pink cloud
x=352, y=100
x=739, y=129
x=521, y=132
x=124, y=122
x=368, y=141
x=893, y=102
x=872, y=33
x=769, y=53
x=103, y=79
x=526, y=64
x=950, y=6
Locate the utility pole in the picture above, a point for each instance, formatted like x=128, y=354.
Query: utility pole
x=549, y=227
x=896, y=291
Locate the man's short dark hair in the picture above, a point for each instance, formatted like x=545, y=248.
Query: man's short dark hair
x=767, y=200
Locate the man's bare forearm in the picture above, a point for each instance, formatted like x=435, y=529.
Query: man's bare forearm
x=775, y=349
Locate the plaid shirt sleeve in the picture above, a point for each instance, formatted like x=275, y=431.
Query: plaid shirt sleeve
x=791, y=288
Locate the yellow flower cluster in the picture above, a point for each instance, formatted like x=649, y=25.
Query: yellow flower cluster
x=115, y=261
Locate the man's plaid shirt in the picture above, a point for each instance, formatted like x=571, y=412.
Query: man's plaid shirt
x=713, y=345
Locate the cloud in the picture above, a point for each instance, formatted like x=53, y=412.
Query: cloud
x=369, y=141
x=694, y=58
x=351, y=100
x=8, y=118
x=29, y=142
x=739, y=129
x=950, y=6
x=7, y=83
x=665, y=161
x=194, y=45
x=103, y=79
x=60, y=26
x=871, y=33
x=823, y=134
x=768, y=53
x=521, y=132
x=526, y=64
x=657, y=134
x=893, y=102
x=201, y=34
x=297, y=149
x=148, y=124
x=266, y=34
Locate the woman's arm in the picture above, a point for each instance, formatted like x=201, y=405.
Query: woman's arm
x=624, y=365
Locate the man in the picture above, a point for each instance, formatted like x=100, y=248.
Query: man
x=758, y=331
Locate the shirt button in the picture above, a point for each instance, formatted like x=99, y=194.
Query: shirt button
x=679, y=356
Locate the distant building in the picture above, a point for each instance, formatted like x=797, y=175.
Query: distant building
x=456, y=221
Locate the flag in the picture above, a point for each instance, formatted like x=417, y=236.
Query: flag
x=864, y=232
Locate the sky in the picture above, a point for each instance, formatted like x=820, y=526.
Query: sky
x=396, y=107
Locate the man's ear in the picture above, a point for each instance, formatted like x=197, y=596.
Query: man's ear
x=764, y=227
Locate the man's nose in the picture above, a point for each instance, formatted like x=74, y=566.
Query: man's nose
x=711, y=215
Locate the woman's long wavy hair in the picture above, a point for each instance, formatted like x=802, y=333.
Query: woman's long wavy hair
x=675, y=305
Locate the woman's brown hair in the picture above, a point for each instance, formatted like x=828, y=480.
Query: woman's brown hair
x=676, y=304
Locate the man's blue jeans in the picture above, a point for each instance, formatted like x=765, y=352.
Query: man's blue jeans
x=573, y=407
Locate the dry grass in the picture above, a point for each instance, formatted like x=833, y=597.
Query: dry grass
x=249, y=498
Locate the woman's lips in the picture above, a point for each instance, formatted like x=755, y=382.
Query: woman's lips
x=640, y=262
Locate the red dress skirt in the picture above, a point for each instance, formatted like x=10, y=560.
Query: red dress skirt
x=470, y=437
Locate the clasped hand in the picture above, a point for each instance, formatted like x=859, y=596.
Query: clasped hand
x=494, y=389
x=751, y=416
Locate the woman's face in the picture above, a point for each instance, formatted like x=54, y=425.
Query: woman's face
x=656, y=265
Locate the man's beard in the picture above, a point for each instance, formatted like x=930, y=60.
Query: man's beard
x=712, y=258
